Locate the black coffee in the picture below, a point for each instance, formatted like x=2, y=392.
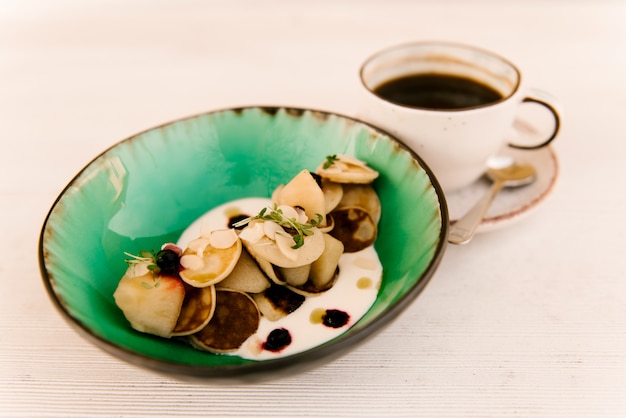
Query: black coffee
x=437, y=91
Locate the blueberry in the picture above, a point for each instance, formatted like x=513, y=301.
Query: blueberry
x=168, y=262
x=334, y=318
x=277, y=340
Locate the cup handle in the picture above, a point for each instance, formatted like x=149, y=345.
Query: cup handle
x=551, y=104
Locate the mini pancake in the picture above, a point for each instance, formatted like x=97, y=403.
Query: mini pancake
x=355, y=228
x=197, y=310
x=207, y=261
x=235, y=319
x=333, y=193
x=347, y=169
x=246, y=276
x=362, y=196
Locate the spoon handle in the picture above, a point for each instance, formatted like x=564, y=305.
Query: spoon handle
x=463, y=230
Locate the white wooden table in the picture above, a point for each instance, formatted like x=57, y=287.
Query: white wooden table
x=528, y=320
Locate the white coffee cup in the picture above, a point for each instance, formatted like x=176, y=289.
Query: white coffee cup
x=456, y=142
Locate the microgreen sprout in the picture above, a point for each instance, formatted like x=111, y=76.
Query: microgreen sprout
x=297, y=229
x=156, y=284
x=330, y=160
x=148, y=259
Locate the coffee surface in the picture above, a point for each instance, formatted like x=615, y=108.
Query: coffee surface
x=437, y=91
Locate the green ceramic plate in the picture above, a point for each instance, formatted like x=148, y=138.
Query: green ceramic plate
x=148, y=188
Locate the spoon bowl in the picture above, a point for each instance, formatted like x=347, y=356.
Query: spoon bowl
x=512, y=175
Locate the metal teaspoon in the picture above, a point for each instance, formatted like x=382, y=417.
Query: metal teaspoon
x=512, y=175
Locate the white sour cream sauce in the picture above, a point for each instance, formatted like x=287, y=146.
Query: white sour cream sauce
x=354, y=292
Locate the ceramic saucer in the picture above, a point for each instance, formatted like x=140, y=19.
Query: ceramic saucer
x=511, y=204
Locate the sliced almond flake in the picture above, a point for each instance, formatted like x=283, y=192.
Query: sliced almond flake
x=271, y=229
x=191, y=262
x=253, y=232
x=223, y=238
x=285, y=242
x=289, y=212
x=347, y=159
x=348, y=169
x=198, y=245
x=355, y=174
x=301, y=218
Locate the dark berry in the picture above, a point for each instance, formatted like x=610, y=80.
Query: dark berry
x=168, y=262
x=277, y=340
x=335, y=318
